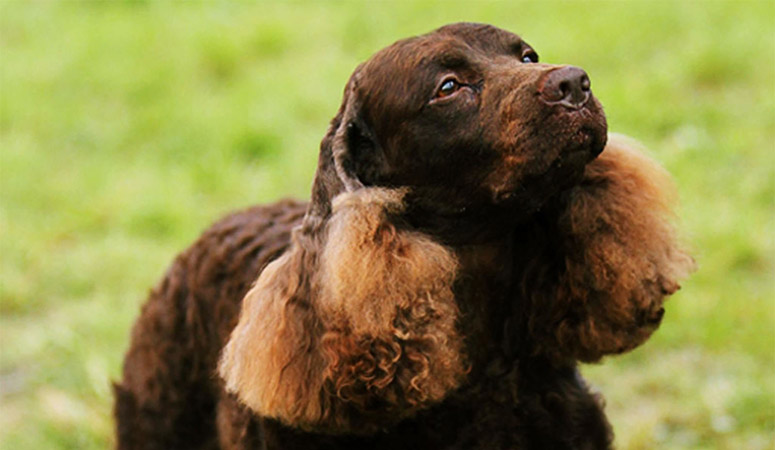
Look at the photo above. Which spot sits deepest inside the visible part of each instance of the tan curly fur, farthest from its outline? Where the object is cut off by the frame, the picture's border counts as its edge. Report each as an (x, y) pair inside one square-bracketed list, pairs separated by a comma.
[(622, 258), (372, 328)]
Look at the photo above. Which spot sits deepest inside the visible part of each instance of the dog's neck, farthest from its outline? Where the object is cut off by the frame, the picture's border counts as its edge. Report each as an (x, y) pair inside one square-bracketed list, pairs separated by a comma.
[(482, 292), (468, 228)]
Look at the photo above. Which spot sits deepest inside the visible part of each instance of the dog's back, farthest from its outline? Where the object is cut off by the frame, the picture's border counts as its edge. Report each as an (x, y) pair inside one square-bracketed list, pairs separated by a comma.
[(169, 395)]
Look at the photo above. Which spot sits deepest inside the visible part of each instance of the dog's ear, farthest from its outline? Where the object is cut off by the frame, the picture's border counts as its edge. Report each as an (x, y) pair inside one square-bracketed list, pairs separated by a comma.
[(603, 258), (353, 328)]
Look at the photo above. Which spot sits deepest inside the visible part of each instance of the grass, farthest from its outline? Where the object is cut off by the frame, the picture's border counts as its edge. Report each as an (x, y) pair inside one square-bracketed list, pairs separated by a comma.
[(127, 127)]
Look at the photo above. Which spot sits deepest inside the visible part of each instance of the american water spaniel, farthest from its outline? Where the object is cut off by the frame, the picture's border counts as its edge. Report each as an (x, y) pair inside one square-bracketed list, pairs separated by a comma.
[(472, 234)]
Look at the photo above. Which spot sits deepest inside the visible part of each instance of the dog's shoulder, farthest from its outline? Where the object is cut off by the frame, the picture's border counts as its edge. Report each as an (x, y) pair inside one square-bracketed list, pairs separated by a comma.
[(256, 227), (216, 271), (237, 247)]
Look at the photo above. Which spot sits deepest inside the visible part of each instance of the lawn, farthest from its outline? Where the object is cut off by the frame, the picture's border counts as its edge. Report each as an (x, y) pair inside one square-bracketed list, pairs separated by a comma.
[(127, 127)]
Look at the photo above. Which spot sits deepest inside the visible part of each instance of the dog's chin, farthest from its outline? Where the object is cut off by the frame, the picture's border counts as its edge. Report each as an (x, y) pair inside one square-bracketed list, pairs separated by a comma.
[(580, 149), (588, 128)]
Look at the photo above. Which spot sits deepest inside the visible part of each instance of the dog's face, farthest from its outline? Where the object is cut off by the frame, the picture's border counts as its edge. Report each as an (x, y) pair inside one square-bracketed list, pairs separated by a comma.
[(467, 118)]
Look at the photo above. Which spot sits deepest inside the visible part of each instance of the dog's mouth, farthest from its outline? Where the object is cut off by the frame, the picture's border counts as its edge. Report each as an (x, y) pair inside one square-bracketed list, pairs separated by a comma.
[(587, 134)]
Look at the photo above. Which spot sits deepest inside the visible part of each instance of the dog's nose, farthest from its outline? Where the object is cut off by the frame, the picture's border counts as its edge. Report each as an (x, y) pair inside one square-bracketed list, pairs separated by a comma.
[(567, 86)]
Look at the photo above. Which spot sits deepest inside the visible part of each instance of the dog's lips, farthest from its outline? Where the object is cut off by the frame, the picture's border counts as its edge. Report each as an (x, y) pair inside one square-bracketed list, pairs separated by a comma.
[(588, 127)]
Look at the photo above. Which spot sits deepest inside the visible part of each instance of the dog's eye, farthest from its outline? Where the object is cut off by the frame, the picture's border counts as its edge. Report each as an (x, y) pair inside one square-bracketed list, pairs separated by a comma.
[(530, 57), (448, 87)]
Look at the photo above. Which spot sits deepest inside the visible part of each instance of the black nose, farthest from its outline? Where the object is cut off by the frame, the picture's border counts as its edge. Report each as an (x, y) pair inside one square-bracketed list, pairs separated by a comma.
[(567, 86)]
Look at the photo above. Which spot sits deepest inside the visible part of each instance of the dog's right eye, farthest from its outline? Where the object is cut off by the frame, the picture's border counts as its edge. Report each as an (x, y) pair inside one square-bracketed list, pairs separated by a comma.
[(447, 88), (530, 57)]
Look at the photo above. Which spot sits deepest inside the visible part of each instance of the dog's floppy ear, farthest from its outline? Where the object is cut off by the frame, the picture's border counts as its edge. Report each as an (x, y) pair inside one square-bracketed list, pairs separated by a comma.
[(353, 328), (609, 256)]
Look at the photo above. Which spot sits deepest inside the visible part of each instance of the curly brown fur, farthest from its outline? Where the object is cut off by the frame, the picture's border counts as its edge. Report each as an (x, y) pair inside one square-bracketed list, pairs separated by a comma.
[(463, 249)]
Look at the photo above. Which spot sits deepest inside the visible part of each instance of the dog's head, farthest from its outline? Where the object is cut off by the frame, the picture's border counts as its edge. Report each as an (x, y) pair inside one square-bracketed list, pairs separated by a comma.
[(469, 121)]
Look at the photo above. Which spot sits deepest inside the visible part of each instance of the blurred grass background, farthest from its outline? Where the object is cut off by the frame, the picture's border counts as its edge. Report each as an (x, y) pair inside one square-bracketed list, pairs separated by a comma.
[(127, 127)]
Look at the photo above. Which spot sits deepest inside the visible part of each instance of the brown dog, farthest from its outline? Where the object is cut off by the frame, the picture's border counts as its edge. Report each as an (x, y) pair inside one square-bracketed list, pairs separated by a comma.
[(464, 247)]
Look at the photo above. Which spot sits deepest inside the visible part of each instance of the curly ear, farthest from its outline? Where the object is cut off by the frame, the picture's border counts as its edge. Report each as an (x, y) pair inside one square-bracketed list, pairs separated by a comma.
[(352, 330), (610, 261)]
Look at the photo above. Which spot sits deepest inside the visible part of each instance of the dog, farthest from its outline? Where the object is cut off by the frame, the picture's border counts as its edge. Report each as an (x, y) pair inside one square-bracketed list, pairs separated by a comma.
[(473, 233)]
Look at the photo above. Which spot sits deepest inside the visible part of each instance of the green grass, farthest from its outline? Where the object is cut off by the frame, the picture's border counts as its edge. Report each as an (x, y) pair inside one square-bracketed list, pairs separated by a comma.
[(127, 127)]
